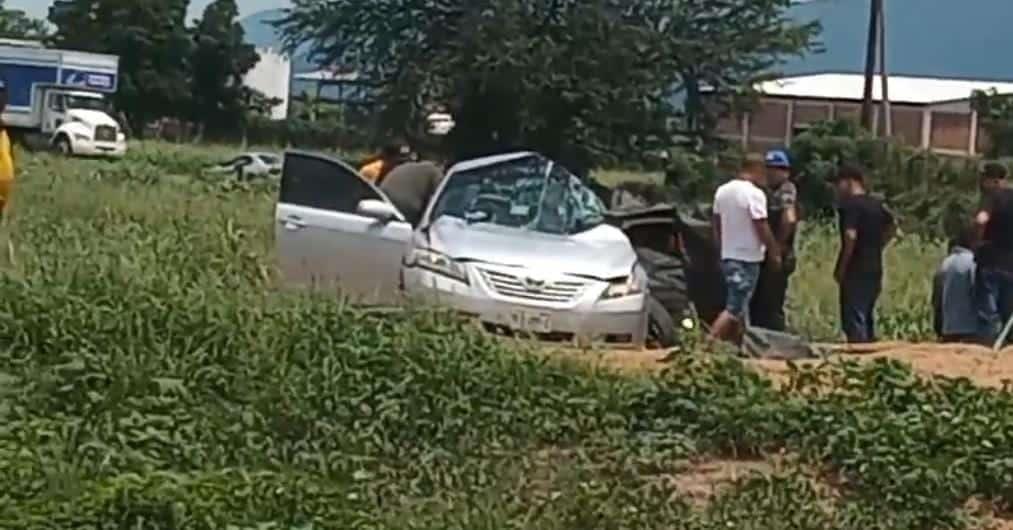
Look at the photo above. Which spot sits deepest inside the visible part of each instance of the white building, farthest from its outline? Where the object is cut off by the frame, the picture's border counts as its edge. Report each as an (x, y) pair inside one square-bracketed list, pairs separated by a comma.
[(272, 77)]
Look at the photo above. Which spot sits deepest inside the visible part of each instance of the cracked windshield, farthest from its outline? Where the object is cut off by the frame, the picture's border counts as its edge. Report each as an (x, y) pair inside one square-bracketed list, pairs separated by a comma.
[(531, 193)]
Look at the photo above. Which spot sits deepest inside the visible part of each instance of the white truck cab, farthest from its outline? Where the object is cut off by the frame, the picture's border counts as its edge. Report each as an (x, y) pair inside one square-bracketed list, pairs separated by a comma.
[(58, 98), (79, 123)]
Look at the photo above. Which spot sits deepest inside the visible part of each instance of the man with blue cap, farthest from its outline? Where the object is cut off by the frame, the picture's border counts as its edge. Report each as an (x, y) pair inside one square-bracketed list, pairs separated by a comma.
[(767, 307)]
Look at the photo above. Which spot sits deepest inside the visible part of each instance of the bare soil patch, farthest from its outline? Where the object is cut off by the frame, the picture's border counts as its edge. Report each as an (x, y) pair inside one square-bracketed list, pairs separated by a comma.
[(700, 482), (988, 515), (978, 364)]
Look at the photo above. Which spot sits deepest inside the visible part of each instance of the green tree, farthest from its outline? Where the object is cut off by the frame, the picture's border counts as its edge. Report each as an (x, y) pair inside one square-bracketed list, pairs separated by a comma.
[(151, 39), (580, 80), (15, 24), (221, 58), (995, 113), (584, 80), (726, 46)]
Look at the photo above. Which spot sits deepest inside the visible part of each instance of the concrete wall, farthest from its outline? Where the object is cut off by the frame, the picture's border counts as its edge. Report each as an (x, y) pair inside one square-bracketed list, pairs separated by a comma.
[(272, 76), (949, 128)]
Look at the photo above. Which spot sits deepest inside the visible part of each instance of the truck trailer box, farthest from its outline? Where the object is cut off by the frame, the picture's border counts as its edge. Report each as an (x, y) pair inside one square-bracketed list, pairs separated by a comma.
[(58, 98), (30, 71)]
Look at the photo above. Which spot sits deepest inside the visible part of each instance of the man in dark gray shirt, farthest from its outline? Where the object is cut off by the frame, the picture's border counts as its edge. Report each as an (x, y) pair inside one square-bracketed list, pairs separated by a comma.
[(410, 186), (766, 310)]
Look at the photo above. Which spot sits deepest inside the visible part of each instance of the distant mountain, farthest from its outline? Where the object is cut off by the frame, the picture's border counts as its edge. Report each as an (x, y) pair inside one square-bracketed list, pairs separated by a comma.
[(262, 34), (937, 38), (259, 31)]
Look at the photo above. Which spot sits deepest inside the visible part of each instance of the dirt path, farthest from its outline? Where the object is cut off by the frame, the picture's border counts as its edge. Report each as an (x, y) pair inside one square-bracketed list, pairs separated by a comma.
[(980, 365)]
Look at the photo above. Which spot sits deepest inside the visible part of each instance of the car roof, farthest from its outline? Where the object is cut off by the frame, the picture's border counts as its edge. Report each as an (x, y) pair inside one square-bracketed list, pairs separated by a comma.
[(474, 163)]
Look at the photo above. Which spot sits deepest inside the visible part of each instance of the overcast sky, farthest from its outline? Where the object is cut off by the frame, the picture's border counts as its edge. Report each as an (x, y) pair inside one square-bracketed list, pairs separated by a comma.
[(40, 8)]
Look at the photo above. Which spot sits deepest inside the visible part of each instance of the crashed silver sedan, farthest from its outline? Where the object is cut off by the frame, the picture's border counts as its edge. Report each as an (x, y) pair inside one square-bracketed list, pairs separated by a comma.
[(514, 241)]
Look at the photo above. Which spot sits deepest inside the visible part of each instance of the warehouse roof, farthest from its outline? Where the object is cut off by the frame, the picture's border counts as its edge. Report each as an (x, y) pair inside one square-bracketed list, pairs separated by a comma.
[(903, 89), (328, 76)]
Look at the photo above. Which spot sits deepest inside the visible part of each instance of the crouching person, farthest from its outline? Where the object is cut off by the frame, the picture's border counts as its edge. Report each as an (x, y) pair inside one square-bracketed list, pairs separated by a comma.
[(955, 317)]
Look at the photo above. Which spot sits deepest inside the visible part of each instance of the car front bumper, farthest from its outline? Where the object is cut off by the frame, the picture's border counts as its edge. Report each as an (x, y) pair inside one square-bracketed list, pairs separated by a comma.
[(100, 149), (586, 320)]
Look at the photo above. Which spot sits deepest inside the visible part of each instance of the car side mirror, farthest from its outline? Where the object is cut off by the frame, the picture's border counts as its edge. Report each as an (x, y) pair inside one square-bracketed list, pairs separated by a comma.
[(375, 209)]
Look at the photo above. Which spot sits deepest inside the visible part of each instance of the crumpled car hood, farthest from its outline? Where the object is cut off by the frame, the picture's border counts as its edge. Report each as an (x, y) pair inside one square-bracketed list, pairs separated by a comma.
[(604, 252)]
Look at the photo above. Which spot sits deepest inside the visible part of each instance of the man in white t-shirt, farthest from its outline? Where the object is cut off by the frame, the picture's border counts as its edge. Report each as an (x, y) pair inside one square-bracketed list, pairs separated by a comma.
[(745, 241)]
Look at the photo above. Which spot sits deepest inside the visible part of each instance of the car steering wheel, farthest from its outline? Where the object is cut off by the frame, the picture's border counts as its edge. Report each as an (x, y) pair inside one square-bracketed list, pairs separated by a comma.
[(496, 206)]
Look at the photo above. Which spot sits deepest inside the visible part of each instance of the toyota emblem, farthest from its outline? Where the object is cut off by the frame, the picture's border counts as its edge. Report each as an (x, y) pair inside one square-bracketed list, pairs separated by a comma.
[(533, 285)]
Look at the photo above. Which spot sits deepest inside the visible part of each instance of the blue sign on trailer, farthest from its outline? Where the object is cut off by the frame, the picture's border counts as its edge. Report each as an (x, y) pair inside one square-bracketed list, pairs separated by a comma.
[(91, 80)]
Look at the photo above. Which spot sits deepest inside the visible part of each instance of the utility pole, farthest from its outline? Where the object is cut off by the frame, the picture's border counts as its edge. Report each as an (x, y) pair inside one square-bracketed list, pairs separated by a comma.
[(870, 62), (887, 114)]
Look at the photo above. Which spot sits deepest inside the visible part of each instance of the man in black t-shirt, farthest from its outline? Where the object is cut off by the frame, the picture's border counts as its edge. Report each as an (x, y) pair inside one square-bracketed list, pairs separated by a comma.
[(994, 251), (866, 227)]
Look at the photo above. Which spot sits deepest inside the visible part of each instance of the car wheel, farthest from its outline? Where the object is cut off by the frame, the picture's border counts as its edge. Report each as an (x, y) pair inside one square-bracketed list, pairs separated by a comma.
[(661, 332), (63, 146)]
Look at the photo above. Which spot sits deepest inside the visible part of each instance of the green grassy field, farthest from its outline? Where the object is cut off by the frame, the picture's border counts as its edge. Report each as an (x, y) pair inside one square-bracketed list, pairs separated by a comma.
[(152, 377)]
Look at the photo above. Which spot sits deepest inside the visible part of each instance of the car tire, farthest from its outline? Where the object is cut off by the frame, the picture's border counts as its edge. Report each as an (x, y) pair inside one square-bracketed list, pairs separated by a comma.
[(661, 330), (668, 286), (63, 146)]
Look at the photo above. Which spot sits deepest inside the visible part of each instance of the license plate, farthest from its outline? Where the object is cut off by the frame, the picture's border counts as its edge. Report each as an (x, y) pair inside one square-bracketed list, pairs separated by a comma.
[(531, 322)]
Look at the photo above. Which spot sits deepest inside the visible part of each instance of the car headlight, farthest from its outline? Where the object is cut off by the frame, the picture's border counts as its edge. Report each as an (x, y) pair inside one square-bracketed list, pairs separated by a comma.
[(82, 137), (634, 284), (438, 263)]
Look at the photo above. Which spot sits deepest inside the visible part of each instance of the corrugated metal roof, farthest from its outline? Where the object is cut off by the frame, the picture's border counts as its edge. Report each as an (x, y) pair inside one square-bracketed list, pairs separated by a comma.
[(903, 89), (328, 76)]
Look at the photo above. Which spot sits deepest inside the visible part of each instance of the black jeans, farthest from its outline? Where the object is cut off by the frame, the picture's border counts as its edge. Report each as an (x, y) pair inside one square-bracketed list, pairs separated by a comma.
[(766, 310), (858, 295)]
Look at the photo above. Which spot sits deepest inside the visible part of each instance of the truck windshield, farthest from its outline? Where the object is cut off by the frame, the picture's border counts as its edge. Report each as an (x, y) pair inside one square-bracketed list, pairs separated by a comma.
[(86, 103)]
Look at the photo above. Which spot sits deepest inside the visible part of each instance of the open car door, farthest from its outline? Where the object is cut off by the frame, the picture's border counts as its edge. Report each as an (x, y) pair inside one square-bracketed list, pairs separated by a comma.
[(336, 231)]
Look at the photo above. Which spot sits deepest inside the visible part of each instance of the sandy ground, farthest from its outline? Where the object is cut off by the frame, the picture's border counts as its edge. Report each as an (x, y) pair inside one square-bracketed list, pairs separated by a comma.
[(980, 365)]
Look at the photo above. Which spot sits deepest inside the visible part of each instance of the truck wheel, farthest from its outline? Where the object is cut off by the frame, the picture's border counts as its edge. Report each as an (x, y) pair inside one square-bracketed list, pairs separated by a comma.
[(661, 331), (666, 276), (63, 146)]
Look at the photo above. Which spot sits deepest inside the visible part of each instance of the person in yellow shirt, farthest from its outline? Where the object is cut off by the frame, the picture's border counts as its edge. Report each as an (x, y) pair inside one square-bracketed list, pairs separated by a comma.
[(391, 156), (6, 155)]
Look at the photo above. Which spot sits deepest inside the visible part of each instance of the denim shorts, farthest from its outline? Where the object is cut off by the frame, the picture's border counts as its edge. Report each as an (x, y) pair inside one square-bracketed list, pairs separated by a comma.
[(740, 282)]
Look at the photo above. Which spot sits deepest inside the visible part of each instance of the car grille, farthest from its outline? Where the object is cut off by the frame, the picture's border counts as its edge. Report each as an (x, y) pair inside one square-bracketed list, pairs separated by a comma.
[(517, 287), (105, 133)]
